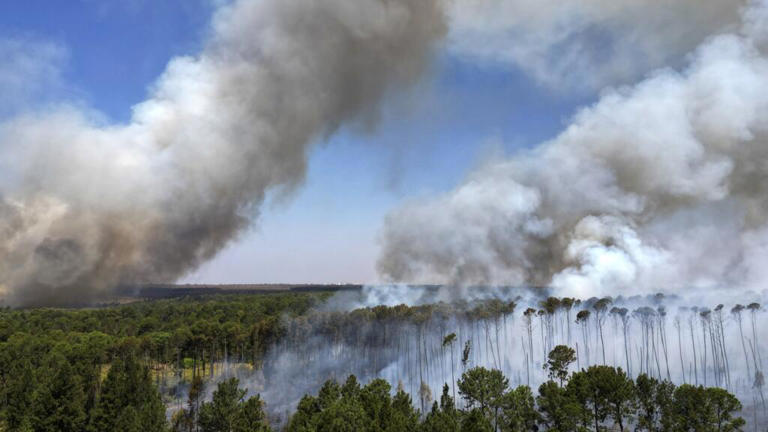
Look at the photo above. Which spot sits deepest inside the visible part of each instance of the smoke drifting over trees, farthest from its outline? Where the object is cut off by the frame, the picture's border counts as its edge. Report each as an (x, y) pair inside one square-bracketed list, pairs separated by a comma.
[(422, 346), (657, 186), (86, 205)]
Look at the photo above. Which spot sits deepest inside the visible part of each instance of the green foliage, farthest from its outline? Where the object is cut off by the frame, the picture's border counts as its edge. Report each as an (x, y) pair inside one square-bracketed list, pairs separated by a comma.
[(558, 361), (89, 370), (443, 417), (229, 411), (654, 404), (483, 388), (705, 409), (350, 407), (520, 410), (129, 398), (52, 361), (60, 401), (559, 410), (476, 421)]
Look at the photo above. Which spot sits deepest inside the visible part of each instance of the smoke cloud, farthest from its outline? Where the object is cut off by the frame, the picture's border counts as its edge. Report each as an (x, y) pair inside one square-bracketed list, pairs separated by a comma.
[(86, 205), (585, 44), (30, 71), (656, 187)]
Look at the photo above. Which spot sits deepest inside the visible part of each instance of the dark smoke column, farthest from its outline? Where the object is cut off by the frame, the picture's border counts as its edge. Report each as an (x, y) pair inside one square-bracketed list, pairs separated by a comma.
[(89, 205)]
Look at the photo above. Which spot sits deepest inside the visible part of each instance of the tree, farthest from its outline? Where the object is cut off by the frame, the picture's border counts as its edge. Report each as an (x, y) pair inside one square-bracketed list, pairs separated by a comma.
[(443, 417), (484, 388), (186, 420), (579, 391), (221, 414), (600, 307), (128, 386), (736, 312), (404, 417), (723, 406), (602, 391), (128, 421), (558, 411), (425, 395), (618, 391), (519, 409), (19, 397), (465, 354), (476, 421), (60, 403), (691, 410), (449, 341), (582, 317), (303, 419), (648, 410), (560, 358), (377, 401), (705, 409)]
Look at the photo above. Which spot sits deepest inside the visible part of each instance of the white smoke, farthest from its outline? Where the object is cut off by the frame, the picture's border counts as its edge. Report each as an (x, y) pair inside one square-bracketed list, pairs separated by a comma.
[(659, 186), (585, 43), (86, 205), (30, 70)]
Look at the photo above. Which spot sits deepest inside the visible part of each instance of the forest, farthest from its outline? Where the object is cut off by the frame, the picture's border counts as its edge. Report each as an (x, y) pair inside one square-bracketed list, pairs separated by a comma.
[(252, 362)]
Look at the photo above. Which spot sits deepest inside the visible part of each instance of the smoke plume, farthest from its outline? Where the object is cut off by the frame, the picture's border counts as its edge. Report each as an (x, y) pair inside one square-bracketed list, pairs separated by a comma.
[(585, 44), (86, 205), (657, 186)]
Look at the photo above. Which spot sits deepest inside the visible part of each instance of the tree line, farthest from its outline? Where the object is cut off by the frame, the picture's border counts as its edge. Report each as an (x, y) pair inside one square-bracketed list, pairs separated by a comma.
[(594, 399), (63, 369)]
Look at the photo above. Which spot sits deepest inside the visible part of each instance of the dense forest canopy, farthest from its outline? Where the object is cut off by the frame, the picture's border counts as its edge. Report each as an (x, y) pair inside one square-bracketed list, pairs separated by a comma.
[(250, 362)]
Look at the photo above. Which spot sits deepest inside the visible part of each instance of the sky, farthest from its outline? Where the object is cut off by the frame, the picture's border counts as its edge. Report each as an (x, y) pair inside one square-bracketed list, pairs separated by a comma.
[(106, 56)]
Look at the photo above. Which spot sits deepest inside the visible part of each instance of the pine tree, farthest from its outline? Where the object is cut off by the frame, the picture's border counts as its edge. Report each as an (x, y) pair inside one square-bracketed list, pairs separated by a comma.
[(251, 417), (558, 411), (221, 414), (129, 386), (20, 396), (60, 402), (519, 410), (484, 389)]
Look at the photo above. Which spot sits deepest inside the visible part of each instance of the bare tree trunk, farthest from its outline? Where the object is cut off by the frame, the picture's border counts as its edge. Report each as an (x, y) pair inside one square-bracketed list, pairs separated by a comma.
[(725, 353), (744, 346), (680, 348), (704, 339), (663, 333), (695, 358), (758, 377), (655, 353)]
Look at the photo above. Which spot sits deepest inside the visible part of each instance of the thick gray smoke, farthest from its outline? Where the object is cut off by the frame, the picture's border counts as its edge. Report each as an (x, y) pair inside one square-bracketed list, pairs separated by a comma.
[(658, 186), (86, 205)]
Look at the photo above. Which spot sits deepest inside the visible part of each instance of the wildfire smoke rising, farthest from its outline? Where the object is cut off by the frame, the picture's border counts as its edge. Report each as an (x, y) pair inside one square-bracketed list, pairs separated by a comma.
[(86, 205), (659, 186)]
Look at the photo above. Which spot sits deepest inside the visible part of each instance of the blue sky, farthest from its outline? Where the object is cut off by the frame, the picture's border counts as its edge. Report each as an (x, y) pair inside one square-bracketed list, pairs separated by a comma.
[(427, 139)]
